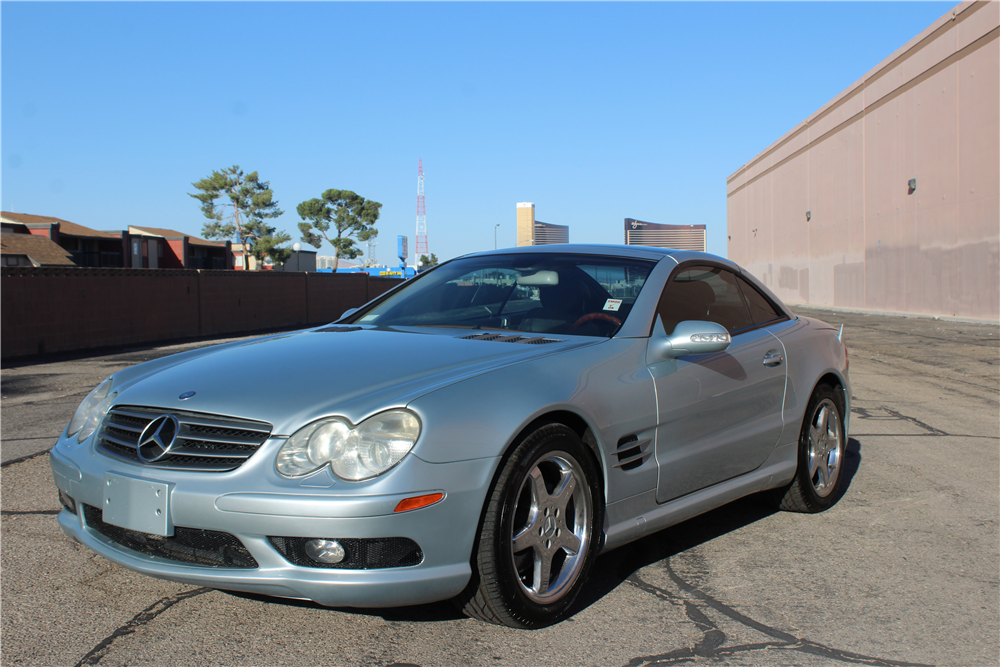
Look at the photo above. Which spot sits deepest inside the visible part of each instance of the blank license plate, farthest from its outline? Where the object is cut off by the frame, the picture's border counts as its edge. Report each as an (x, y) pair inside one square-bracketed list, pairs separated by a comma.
[(137, 504)]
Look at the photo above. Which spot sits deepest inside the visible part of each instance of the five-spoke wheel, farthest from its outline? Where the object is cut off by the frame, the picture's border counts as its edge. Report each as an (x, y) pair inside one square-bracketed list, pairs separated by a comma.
[(551, 527), (821, 454), (539, 536)]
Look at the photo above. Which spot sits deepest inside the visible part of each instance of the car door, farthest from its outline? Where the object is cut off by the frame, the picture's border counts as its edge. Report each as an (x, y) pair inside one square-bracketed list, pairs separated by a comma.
[(718, 415)]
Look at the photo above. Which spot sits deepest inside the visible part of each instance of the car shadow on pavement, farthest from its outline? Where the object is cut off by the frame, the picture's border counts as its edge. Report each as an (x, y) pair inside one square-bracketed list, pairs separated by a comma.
[(615, 567)]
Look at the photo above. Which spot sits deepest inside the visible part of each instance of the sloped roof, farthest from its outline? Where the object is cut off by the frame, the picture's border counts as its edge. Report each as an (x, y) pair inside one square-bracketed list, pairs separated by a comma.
[(39, 249), (65, 226), (174, 234)]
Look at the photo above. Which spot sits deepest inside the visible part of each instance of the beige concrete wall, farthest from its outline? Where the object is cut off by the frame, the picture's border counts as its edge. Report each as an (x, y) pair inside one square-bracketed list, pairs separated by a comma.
[(930, 112)]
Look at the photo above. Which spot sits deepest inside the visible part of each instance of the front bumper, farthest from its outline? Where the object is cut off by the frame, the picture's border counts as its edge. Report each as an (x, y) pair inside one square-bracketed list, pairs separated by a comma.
[(253, 503)]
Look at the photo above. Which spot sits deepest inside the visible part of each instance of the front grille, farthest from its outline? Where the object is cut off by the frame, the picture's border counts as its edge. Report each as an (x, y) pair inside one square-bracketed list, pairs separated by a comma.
[(188, 545), (361, 554), (505, 338), (207, 443)]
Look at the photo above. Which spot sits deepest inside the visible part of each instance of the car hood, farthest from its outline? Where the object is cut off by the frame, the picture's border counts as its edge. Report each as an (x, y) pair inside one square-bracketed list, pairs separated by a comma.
[(290, 380)]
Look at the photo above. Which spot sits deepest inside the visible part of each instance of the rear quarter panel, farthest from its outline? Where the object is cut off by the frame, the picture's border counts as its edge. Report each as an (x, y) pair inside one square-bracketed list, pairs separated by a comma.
[(813, 351)]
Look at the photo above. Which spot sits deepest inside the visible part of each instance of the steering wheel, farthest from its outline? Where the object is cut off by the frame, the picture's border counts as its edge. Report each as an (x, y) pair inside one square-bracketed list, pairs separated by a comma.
[(597, 316)]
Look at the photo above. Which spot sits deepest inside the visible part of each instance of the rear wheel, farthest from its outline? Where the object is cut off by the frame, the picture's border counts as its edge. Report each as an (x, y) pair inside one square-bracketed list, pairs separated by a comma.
[(539, 536), (822, 442)]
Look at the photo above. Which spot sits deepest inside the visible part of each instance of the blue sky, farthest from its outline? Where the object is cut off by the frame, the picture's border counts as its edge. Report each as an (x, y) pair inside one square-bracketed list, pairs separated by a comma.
[(593, 111)]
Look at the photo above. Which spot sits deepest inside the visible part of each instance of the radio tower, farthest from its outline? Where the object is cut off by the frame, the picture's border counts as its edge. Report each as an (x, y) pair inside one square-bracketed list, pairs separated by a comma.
[(421, 213)]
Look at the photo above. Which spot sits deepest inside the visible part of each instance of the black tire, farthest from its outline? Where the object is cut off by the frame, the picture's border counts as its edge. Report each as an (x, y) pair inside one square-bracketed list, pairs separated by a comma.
[(546, 500), (822, 446)]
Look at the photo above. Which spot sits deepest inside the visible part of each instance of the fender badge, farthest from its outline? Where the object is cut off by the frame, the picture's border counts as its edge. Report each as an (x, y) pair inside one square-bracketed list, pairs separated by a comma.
[(186, 395)]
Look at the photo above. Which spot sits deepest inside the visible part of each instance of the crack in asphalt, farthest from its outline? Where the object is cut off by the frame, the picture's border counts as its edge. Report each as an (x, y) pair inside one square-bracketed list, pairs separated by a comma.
[(712, 643), (24, 512), (144, 617), (919, 334), (889, 359), (914, 420), (23, 458), (895, 415)]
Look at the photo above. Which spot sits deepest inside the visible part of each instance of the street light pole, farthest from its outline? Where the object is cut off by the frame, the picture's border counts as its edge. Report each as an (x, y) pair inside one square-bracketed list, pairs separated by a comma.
[(495, 236)]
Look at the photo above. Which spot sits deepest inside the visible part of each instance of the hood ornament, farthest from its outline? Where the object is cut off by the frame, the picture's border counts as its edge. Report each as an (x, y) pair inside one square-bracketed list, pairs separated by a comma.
[(186, 395)]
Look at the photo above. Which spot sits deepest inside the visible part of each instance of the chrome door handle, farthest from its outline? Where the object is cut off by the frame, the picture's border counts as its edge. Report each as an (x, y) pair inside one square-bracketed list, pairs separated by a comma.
[(772, 359)]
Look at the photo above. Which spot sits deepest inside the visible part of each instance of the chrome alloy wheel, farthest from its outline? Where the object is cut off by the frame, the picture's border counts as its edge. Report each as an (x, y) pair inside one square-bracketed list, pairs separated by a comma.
[(550, 531), (826, 448)]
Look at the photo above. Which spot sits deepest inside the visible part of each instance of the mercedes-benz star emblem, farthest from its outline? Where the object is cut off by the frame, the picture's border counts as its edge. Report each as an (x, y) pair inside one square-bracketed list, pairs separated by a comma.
[(157, 438)]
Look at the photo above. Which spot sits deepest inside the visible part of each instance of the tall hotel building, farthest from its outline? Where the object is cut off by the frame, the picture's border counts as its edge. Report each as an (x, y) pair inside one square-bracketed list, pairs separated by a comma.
[(536, 232), (681, 237)]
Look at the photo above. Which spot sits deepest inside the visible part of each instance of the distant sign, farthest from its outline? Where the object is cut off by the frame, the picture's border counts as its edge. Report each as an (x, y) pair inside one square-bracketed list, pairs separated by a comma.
[(403, 251)]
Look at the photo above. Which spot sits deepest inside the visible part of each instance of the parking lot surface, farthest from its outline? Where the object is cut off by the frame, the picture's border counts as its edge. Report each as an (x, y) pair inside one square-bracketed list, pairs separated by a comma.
[(903, 570)]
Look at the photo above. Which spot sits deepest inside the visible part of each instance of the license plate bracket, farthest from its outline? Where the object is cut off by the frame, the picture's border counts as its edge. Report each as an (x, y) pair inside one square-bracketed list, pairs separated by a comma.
[(138, 504)]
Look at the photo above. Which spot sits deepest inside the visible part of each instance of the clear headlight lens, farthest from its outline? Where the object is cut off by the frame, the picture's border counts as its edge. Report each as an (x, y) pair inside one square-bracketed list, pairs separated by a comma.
[(353, 453), (90, 413)]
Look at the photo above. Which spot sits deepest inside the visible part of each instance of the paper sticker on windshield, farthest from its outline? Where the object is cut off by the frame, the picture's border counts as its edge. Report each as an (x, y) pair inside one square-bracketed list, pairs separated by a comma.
[(612, 304)]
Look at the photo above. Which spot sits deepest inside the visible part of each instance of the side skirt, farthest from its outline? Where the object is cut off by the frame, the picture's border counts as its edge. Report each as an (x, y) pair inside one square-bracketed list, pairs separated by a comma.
[(632, 518)]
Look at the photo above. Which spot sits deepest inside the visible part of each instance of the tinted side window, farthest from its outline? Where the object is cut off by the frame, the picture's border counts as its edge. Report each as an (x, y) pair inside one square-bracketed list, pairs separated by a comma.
[(704, 293), (761, 309)]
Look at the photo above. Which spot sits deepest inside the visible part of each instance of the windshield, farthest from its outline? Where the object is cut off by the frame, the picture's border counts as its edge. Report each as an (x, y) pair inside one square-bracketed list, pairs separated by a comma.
[(583, 295)]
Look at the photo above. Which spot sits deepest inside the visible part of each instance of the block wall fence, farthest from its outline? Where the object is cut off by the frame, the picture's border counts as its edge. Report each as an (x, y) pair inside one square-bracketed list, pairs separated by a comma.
[(66, 309)]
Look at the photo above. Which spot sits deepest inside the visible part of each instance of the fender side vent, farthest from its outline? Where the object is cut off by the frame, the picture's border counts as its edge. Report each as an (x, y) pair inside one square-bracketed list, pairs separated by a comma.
[(340, 329), (631, 453), (503, 338)]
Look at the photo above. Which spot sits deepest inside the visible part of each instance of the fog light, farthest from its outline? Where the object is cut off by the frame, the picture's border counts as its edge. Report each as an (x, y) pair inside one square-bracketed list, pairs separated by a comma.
[(67, 502), (325, 551)]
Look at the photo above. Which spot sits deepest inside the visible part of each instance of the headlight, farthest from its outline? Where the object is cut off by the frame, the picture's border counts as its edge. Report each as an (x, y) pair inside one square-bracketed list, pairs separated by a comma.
[(90, 413), (353, 453)]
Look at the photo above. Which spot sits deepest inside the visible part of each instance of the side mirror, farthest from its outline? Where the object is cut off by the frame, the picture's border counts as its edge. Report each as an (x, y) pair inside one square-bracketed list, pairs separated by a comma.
[(698, 337), (690, 337), (348, 313)]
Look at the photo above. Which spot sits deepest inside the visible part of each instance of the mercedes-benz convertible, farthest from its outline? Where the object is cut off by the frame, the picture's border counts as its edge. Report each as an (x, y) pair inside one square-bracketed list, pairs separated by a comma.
[(480, 432)]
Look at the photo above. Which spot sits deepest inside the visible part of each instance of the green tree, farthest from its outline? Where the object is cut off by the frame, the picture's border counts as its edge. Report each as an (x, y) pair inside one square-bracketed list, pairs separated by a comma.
[(429, 261), (268, 246), (237, 206), (342, 218)]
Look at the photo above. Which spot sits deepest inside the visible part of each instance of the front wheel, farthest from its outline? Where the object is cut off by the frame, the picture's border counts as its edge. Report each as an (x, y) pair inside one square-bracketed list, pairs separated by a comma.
[(539, 534), (822, 442)]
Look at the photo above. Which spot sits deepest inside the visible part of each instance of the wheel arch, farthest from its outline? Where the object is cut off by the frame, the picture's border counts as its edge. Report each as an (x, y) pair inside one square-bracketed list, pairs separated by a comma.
[(836, 382), (582, 429)]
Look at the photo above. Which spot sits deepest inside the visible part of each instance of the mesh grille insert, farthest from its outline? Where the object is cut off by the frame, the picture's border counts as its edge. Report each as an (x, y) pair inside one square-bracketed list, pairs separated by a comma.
[(339, 329), (362, 554), (188, 545), (511, 338)]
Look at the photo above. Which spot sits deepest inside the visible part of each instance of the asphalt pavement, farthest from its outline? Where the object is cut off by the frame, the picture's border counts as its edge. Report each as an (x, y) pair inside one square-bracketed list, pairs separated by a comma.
[(903, 570)]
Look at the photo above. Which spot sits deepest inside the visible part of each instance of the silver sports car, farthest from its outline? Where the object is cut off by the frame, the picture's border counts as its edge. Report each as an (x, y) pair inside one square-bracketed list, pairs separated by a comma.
[(481, 432)]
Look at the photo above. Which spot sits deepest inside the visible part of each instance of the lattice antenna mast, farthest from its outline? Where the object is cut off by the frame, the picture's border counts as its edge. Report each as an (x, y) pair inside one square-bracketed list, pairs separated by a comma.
[(421, 212)]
